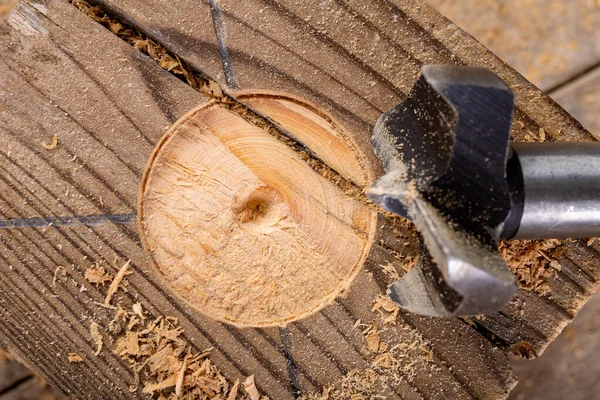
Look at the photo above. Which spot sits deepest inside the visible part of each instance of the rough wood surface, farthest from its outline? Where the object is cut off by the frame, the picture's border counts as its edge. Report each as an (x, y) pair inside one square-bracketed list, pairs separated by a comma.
[(64, 75), (111, 106), (357, 59)]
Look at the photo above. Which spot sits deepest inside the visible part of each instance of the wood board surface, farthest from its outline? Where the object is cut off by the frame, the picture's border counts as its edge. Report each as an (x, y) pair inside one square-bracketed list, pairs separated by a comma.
[(113, 104)]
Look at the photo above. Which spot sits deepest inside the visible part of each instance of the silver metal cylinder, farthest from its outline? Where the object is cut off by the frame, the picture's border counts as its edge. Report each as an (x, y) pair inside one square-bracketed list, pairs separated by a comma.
[(561, 186)]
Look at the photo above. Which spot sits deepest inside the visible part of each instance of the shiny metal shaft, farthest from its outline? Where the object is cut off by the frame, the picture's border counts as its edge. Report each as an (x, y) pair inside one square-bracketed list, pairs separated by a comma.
[(560, 195)]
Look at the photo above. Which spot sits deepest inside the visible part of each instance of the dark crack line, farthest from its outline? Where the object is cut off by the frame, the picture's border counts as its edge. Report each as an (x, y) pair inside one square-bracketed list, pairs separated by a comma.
[(286, 341), (89, 220), (217, 17)]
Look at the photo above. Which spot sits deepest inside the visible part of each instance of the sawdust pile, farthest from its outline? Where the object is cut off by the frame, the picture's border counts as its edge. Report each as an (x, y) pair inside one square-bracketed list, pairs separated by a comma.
[(533, 262), (165, 366)]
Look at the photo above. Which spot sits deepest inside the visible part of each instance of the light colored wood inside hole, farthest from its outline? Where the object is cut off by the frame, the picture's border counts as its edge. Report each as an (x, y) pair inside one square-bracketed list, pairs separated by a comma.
[(241, 227)]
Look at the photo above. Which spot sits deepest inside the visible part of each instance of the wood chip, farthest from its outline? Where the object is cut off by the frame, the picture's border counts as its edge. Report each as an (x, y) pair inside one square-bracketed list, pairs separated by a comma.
[(180, 376), (250, 387), (52, 145), (234, 390), (373, 342), (128, 344), (96, 336), (97, 275), (114, 286), (75, 358)]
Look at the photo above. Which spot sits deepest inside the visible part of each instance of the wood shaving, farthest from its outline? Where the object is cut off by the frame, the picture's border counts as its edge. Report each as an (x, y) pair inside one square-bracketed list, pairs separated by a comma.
[(114, 286), (533, 262), (250, 387), (128, 344), (234, 390), (163, 362), (373, 342), (591, 241), (56, 272), (96, 336), (386, 307), (97, 275), (180, 376), (52, 145), (74, 358), (390, 271)]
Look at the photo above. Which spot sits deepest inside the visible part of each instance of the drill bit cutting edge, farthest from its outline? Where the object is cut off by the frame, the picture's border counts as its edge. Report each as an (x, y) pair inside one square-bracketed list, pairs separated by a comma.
[(451, 169)]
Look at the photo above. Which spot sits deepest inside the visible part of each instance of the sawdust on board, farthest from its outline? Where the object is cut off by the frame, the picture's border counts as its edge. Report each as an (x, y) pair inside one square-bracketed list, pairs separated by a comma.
[(393, 360), (533, 262), (74, 358), (156, 51), (164, 364)]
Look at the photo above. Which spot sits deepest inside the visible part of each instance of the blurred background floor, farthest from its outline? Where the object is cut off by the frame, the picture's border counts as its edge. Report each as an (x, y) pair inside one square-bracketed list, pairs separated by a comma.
[(555, 44)]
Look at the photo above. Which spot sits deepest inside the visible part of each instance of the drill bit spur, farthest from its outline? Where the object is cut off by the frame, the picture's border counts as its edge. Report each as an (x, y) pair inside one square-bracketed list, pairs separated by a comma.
[(450, 168)]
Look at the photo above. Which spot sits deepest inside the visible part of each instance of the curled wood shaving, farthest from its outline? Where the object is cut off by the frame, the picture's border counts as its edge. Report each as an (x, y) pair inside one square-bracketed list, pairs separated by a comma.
[(96, 336), (52, 145), (533, 262), (250, 387), (114, 286), (163, 362), (56, 272), (74, 358)]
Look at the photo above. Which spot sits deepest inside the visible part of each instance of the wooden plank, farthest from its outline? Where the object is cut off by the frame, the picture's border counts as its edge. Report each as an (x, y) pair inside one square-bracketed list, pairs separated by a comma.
[(580, 98), (103, 93), (12, 372), (32, 388), (111, 104), (357, 59), (546, 41)]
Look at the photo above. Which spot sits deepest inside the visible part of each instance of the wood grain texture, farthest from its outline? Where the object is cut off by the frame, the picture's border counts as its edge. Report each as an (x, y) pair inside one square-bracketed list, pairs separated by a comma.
[(109, 104), (357, 59), (109, 113)]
